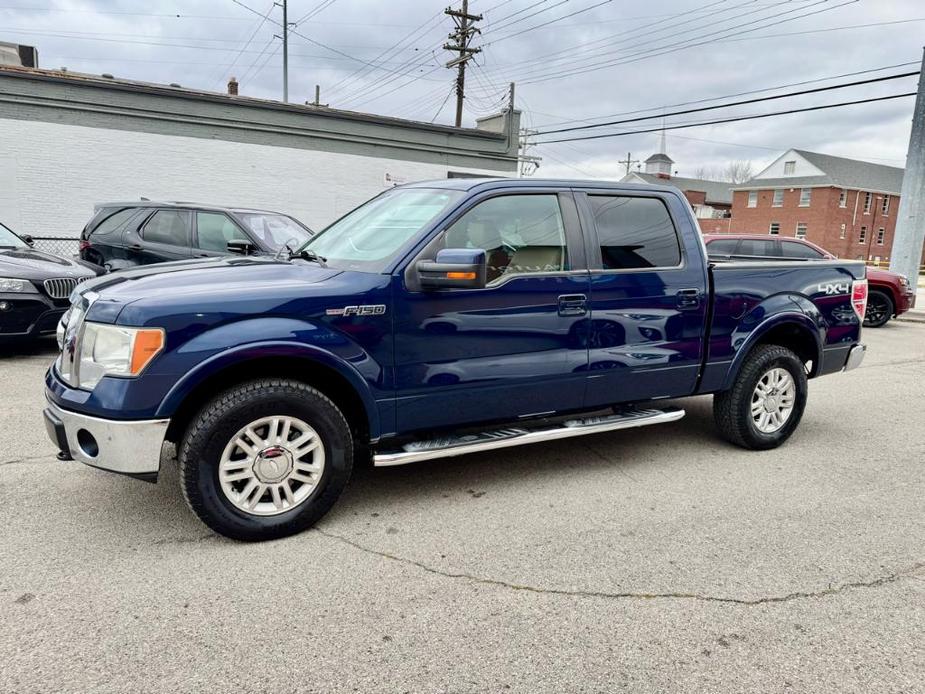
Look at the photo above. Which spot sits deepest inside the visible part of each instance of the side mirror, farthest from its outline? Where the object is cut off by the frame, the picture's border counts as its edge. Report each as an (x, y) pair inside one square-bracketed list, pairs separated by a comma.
[(29, 240), (463, 268), (242, 247)]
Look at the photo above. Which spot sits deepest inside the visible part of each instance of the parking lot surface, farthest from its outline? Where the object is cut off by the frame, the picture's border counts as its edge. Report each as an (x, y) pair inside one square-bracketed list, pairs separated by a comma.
[(655, 560)]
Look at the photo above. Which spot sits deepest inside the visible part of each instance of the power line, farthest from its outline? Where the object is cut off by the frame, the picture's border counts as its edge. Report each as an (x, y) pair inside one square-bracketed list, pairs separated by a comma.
[(652, 53), (259, 26), (733, 119), (661, 108), (323, 5), (551, 21), (802, 92), (443, 105)]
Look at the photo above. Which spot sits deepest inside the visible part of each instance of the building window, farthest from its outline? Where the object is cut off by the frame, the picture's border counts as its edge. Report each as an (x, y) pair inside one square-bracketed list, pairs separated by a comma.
[(778, 200), (843, 198), (885, 207), (753, 198), (805, 196), (844, 231), (881, 232), (774, 229), (863, 235), (868, 198), (789, 168), (801, 230)]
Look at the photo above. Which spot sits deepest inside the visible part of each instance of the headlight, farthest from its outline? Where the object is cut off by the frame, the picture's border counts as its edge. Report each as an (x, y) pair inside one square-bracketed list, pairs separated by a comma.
[(14, 286), (903, 281), (114, 350)]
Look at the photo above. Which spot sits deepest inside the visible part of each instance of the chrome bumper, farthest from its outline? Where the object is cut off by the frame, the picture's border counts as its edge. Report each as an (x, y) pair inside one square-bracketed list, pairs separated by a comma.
[(127, 447), (855, 357)]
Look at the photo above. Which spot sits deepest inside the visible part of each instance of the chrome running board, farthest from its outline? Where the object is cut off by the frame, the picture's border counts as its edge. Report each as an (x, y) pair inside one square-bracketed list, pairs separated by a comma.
[(452, 445)]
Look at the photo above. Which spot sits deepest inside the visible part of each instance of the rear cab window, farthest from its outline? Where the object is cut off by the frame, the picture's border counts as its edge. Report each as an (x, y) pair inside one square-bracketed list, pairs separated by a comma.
[(722, 247), (792, 249)]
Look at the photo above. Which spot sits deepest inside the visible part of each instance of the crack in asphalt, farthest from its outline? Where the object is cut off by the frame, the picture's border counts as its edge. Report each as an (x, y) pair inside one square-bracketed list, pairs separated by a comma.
[(30, 459), (799, 595)]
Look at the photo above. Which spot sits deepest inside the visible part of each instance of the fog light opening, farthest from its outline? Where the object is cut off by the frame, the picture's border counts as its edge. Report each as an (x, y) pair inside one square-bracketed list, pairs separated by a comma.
[(88, 445)]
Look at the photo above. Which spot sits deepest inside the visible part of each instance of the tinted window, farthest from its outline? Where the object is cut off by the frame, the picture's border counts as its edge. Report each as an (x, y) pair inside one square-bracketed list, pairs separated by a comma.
[(214, 230), (114, 220), (634, 232), (519, 233), (168, 226), (799, 250), (757, 247), (722, 246)]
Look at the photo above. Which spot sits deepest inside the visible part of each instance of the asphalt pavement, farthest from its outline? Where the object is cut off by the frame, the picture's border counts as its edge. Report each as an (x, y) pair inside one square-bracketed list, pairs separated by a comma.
[(655, 560)]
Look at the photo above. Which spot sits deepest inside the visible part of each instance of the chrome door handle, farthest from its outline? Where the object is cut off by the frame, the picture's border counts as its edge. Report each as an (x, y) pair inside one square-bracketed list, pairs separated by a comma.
[(573, 305)]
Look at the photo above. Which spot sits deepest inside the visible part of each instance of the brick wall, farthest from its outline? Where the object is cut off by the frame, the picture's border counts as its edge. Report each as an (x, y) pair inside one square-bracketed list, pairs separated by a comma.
[(823, 218)]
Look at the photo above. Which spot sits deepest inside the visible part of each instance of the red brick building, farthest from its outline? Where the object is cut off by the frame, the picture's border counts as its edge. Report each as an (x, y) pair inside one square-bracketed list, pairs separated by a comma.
[(848, 207)]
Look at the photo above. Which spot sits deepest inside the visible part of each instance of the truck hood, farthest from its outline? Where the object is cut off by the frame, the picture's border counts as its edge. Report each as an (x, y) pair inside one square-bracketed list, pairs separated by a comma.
[(30, 264), (189, 282)]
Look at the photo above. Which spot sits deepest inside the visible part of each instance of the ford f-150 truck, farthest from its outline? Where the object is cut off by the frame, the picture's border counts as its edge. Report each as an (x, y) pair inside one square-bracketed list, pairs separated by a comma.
[(437, 319)]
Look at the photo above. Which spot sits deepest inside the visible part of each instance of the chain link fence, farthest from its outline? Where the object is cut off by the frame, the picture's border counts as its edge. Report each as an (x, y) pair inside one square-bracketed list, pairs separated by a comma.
[(65, 246)]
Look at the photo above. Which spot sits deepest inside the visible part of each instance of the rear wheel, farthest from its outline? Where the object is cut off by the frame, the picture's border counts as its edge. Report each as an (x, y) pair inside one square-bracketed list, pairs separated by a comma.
[(265, 459), (766, 401), (879, 309)]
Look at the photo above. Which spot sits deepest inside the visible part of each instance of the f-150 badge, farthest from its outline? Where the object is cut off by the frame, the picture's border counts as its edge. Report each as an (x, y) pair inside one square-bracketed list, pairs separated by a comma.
[(367, 310), (834, 288)]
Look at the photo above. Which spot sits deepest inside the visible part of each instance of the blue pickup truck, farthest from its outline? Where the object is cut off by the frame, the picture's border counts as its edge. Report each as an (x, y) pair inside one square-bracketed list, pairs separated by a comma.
[(437, 319)]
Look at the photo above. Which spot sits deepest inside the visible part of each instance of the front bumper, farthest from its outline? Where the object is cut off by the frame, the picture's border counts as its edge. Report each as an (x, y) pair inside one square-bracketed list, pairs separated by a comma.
[(128, 447), (906, 302), (28, 315)]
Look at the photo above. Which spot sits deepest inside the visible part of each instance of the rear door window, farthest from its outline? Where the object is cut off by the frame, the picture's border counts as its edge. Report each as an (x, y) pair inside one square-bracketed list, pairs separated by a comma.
[(792, 249), (758, 247), (634, 232), (722, 247), (170, 227)]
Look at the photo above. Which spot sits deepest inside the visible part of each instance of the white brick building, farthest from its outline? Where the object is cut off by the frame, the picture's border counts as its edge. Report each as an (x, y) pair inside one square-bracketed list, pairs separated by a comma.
[(69, 141)]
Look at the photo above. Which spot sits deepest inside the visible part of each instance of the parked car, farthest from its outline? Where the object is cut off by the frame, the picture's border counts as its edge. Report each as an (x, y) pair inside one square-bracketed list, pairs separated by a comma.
[(126, 234), (890, 294), (34, 287), (275, 375)]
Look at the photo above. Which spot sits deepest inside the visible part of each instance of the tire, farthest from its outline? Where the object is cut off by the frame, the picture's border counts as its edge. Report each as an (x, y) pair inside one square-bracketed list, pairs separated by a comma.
[(314, 479), (879, 309), (733, 409)]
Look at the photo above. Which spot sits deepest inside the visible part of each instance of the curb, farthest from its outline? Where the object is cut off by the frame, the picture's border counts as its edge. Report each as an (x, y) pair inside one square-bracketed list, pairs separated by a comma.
[(912, 317)]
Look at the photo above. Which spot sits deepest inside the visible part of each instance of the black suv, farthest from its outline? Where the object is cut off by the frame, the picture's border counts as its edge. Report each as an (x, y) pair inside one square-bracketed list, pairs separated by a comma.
[(126, 234), (34, 287)]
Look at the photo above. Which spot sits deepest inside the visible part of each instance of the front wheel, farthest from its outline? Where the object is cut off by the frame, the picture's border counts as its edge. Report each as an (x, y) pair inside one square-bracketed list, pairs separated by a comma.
[(265, 459), (766, 401), (879, 309)]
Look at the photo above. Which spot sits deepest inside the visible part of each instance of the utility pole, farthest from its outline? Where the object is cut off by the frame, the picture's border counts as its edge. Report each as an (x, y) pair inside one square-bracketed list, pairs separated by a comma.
[(910, 218), (285, 38), (628, 162), (465, 31)]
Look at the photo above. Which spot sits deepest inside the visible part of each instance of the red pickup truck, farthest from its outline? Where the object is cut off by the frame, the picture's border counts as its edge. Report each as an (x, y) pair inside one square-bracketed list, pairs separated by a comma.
[(889, 294)]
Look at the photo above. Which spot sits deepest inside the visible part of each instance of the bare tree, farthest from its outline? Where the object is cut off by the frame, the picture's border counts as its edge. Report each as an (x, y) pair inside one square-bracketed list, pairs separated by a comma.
[(734, 172), (738, 171)]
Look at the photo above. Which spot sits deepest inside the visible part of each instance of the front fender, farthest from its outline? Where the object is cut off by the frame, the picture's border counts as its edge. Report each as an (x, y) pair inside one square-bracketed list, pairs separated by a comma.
[(782, 309), (236, 356)]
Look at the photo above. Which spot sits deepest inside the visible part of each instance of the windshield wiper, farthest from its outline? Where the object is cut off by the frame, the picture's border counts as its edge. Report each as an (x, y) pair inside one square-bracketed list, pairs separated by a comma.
[(306, 254)]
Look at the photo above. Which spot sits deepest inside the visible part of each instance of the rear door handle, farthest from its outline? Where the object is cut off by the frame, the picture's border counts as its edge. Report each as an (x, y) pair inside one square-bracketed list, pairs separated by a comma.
[(573, 305), (688, 299)]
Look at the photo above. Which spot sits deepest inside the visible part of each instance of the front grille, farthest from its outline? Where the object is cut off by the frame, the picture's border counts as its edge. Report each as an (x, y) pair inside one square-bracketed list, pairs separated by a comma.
[(61, 287)]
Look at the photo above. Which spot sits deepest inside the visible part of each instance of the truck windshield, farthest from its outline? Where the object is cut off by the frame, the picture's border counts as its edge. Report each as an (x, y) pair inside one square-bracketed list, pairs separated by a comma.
[(10, 240), (368, 238)]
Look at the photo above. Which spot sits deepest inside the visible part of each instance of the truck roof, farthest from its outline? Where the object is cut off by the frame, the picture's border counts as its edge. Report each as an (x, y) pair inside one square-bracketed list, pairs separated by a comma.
[(500, 183)]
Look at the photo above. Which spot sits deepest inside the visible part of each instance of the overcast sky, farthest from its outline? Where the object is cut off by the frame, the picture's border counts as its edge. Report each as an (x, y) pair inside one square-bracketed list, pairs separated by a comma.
[(573, 61)]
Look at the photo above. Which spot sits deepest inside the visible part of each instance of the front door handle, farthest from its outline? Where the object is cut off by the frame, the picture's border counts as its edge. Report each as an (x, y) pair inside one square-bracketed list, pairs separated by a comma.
[(688, 299), (573, 305)]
